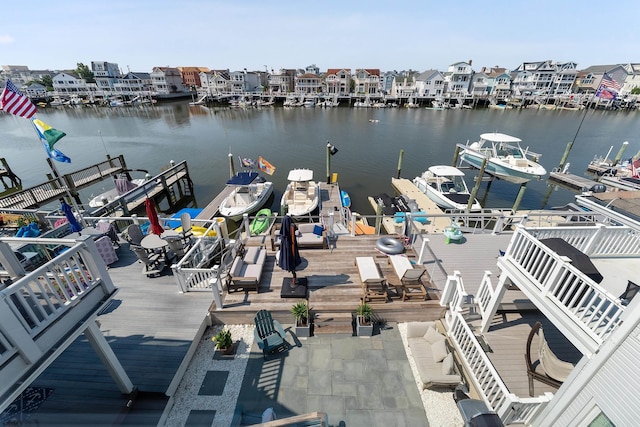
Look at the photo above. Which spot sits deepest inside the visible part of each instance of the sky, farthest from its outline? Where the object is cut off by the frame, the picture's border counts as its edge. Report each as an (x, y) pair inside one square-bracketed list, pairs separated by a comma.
[(257, 35)]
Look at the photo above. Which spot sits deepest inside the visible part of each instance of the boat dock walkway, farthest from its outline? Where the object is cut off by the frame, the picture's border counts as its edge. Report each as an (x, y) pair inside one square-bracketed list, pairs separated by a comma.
[(436, 224), (50, 191), (213, 208), (573, 181)]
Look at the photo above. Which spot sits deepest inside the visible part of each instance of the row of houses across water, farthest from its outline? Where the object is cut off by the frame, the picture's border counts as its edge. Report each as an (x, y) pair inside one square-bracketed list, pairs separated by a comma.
[(530, 79)]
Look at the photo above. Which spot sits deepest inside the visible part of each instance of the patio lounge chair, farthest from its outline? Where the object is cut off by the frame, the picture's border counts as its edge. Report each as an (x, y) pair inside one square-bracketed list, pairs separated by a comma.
[(153, 262), (548, 369), (187, 233), (268, 333), (374, 284)]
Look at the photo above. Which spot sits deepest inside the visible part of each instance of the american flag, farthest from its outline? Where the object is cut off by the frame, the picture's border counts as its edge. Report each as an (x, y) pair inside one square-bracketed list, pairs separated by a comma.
[(609, 82), (608, 88), (15, 102)]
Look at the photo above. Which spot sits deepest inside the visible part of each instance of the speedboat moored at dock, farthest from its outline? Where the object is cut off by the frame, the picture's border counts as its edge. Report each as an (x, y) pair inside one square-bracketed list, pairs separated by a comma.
[(506, 159), (445, 185)]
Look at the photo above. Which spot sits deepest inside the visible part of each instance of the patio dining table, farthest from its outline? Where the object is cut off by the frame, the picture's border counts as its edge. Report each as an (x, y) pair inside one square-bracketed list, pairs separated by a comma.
[(578, 258)]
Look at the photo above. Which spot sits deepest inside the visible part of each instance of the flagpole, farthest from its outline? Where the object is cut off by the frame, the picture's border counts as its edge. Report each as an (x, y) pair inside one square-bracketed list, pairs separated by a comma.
[(56, 173)]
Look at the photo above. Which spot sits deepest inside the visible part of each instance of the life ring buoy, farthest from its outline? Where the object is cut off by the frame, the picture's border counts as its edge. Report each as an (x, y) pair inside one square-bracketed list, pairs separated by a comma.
[(389, 246)]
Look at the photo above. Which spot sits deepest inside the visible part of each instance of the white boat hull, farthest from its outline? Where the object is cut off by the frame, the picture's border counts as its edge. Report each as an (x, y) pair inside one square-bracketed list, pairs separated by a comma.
[(445, 186), (504, 170), (300, 206), (111, 195), (238, 203)]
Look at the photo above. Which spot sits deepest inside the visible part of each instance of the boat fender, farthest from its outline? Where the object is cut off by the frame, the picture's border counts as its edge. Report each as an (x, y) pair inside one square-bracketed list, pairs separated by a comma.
[(389, 246), (598, 188)]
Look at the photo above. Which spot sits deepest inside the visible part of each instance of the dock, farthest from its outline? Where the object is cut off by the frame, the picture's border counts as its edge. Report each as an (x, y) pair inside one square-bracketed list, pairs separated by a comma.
[(573, 181), (56, 187), (436, 224), (213, 208)]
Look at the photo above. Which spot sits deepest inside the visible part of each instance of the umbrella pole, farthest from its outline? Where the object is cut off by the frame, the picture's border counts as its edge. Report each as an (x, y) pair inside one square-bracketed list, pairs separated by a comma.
[(293, 253)]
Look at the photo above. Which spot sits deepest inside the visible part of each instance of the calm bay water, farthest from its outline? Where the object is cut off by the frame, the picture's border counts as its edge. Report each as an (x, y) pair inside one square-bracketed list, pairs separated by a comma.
[(290, 138)]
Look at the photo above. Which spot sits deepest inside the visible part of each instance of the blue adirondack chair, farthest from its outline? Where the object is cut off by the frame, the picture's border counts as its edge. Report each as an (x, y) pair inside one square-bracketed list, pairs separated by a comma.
[(268, 333)]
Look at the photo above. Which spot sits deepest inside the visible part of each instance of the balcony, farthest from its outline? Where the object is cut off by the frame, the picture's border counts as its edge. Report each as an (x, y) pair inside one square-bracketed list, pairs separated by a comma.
[(577, 297)]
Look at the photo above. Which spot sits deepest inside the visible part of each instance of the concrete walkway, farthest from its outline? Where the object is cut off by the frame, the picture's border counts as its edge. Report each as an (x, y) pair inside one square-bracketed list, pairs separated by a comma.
[(356, 381)]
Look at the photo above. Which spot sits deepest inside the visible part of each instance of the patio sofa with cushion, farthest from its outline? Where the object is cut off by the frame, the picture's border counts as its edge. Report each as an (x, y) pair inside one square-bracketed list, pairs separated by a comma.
[(309, 235), (246, 270), (434, 361)]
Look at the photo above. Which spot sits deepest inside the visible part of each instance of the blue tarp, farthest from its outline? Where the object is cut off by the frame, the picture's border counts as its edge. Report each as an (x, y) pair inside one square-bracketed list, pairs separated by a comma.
[(243, 178), (193, 212)]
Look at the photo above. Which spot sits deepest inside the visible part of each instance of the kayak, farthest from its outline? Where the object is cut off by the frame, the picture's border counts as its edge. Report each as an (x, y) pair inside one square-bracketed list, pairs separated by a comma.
[(198, 231), (261, 222), (346, 200)]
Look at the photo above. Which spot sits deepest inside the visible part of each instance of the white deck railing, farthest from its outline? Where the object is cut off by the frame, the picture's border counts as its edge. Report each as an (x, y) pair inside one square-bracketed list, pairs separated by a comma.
[(38, 311), (487, 380), (193, 272), (583, 309)]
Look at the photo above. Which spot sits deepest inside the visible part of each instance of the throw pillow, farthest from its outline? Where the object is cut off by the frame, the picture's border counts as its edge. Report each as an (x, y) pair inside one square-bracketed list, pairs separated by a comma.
[(447, 365), (439, 351), (251, 255), (431, 336)]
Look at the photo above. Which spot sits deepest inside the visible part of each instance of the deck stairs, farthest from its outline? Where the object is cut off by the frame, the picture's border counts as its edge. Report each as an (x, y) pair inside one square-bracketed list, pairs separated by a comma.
[(333, 323)]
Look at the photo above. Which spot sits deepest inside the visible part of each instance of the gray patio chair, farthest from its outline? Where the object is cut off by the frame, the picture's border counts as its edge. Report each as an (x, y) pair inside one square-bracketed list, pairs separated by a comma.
[(134, 234), (186, 234), (153, 262)]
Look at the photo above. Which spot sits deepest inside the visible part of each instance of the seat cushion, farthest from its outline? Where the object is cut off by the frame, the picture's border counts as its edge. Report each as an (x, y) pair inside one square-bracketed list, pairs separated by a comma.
[(251, 256), (432, 336), (439, 350)]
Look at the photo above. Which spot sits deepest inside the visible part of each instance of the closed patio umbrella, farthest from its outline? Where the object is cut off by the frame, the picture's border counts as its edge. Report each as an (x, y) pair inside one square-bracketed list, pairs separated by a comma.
[(71, 218), (155, 226), (289, 257)]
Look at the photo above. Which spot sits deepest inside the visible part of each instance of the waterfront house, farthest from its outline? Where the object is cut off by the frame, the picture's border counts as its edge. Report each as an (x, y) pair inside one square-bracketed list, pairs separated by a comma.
[(430, 84), (404, 84), (307, 83), (595, 73), (282, 82), (66, 85), (367, 82), (35, 90), (479, 84), (191, 76), (216, 82), (386, 81), (579, 281), (544, 77), (337, 81), (106, 75), (245, 82), (633, 78), (458, 78), (498, 82), (134, 84), (167, 81)]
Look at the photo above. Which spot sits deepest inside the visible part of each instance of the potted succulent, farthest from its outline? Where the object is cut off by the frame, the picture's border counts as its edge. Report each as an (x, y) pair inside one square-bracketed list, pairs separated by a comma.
[(223, 341), (300, 311), (364, 324)]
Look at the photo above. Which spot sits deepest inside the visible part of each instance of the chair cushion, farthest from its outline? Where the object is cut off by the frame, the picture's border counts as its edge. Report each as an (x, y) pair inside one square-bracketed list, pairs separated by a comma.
[(236, 267), (432, 336), (439, 350), (252, 254), (418, 329), (447, 365)]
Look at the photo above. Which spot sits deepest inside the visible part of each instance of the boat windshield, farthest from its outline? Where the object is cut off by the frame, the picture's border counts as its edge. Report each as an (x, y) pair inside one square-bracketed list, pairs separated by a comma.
[(505, 150)]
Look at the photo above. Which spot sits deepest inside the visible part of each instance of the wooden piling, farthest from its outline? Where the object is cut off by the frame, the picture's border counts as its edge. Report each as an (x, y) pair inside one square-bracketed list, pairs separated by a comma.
[(400, 162), (476, 186), (519, 197), (232, 168), (619, 155)]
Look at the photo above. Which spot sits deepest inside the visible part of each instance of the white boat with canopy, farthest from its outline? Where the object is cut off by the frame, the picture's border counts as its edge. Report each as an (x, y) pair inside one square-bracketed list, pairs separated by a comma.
[(445, 185), (249, 195), (302, 193)]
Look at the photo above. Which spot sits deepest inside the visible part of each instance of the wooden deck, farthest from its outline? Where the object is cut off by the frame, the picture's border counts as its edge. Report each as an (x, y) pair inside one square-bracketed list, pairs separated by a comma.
[(334, 287), (507, 338)]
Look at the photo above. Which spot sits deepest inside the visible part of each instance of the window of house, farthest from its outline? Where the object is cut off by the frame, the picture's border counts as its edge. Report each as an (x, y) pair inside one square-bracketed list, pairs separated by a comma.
[(601, 420)]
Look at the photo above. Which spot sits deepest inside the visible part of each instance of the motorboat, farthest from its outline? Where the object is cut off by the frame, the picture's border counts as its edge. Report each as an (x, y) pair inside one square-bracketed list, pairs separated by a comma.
[(122, 186), (506, 159), (249, 194), (302, 193), (445, 185)]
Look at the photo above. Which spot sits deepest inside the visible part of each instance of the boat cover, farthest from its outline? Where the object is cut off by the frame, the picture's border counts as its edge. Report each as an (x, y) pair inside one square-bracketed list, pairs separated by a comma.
[(243, 178)]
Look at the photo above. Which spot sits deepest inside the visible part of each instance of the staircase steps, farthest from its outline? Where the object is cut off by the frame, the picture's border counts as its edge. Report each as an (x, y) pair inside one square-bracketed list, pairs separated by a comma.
[(333, 323)]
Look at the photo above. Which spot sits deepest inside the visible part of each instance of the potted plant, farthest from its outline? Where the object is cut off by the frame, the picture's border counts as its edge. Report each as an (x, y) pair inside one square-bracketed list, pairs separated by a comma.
[(300, 313), (223, 341), (364, 324)]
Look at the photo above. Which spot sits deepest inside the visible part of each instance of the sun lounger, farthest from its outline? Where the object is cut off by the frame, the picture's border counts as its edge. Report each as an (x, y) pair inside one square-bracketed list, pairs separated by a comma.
[(374, 285), (410, 277)]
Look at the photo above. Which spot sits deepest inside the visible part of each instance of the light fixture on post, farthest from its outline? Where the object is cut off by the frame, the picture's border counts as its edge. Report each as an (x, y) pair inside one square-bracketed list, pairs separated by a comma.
[(331, 150)]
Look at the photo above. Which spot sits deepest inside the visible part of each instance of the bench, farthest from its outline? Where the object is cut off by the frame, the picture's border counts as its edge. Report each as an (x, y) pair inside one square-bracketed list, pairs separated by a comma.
[(306, 236), (246, 270), (410, 277), (374, 285)]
